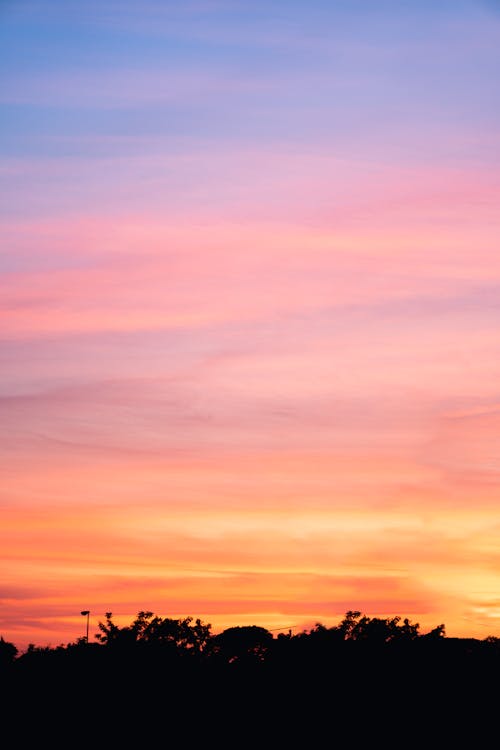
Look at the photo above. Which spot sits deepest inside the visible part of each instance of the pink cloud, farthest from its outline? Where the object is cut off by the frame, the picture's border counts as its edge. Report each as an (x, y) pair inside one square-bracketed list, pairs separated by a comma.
[(262, 408)]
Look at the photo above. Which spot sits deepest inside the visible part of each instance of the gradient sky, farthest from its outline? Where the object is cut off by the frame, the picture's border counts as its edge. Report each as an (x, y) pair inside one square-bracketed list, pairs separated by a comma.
[(250, 312)]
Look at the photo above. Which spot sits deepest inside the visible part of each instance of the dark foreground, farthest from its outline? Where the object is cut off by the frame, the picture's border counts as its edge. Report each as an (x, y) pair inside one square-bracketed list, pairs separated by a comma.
[(328, 687)]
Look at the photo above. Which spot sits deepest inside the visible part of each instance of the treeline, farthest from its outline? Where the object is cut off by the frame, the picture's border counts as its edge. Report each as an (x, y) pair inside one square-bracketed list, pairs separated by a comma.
[(158, 673), (189, 641)]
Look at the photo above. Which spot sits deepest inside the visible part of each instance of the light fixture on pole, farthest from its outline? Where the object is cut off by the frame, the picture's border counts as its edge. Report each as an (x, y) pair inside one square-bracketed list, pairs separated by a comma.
[(86, 612)]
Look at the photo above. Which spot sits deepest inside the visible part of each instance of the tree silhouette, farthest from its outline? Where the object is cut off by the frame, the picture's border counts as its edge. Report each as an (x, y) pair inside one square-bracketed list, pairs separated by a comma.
[(182, 636), (8, 652), (243, 644)]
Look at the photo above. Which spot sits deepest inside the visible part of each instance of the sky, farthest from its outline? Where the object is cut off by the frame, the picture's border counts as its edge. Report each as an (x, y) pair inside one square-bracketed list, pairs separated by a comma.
[(249, 313)]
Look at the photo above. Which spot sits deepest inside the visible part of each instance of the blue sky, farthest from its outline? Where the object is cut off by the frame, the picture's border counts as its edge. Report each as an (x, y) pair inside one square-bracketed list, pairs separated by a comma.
[(249, 298)]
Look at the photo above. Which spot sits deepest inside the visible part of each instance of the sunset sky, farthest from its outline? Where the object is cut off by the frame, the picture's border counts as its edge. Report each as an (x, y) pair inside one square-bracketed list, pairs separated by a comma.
[(250, 313)]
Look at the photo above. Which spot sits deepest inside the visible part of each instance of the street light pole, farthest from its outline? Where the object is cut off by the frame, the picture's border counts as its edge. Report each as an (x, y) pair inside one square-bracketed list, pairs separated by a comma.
[(86, 612)]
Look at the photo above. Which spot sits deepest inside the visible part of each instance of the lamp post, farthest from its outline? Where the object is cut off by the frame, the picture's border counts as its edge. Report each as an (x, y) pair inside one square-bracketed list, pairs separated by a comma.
[(86, 612)]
